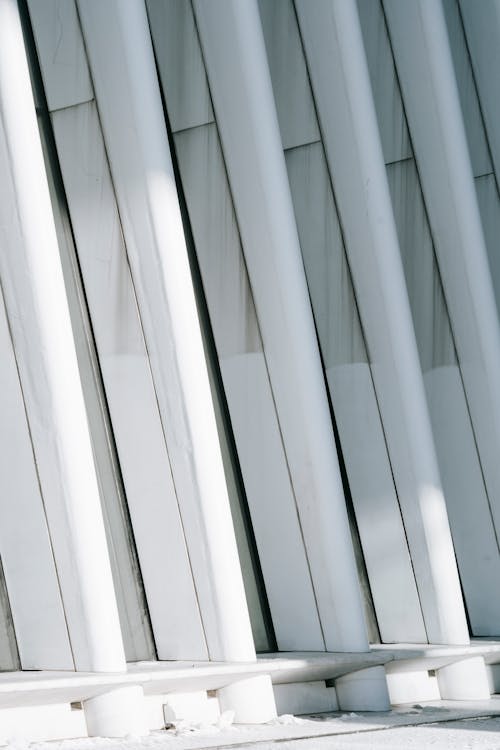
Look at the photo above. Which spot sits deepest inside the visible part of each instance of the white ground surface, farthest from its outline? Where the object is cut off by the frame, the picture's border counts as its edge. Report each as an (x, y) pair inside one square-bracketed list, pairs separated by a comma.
[(444, 726)]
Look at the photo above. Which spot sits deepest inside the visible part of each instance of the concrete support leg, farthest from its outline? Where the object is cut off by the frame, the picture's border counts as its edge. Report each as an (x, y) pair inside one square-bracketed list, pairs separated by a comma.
[(365, 690), (412, 686), (251, 700), (464, 680), (116, 714)]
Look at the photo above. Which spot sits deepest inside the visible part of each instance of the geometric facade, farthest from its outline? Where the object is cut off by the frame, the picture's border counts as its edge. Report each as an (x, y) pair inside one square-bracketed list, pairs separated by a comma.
[(250, 358)]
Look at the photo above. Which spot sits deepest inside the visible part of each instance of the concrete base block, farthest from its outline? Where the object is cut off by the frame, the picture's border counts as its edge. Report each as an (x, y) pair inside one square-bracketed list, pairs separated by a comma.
[(412, 687), (493, 675), (54, 721), (196, 707), (153, 705), (117, 713), (464, 680), (252, 700), (365, 690), (304, 698)]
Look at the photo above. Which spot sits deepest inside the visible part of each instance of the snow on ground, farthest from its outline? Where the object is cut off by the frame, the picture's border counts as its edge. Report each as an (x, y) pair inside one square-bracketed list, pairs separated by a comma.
[(444, 726)]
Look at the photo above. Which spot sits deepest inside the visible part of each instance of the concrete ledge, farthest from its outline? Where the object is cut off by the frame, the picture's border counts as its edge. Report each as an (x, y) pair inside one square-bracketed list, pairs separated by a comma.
[(45, 687)]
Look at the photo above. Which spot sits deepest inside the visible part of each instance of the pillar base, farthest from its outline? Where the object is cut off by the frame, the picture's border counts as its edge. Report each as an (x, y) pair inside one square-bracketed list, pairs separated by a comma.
[(464, 680), (364, 690), (251, 700), (117, 713)]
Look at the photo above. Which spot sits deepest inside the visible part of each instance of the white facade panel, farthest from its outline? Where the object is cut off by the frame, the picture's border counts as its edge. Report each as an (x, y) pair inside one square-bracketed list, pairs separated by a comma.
[(292, 91), (272, 504), (61, 52), (481, 23), (394, 134), (325, 262), (180, 64), (392, 582), (489, 206), (471, 109), (425, 292), (217, 241)]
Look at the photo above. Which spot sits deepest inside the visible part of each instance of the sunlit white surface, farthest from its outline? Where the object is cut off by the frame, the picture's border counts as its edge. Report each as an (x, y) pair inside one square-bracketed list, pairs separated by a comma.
[(339, 76), (147, 198), (41, 331), (440, 144), (243, 104)]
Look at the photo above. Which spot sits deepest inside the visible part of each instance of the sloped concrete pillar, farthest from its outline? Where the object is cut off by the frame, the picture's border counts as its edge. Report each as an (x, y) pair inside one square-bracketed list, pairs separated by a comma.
[(40, 327), (246, 117), (122, 64), (339, 76)]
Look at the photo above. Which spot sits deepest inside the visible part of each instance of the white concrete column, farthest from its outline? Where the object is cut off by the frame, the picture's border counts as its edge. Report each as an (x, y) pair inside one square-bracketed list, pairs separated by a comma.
[(340, 81), (235, 57), (425, 71), (121, 61), (40, 326)]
